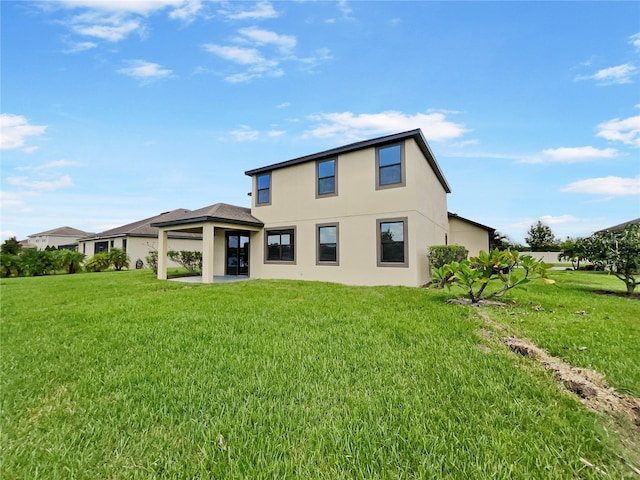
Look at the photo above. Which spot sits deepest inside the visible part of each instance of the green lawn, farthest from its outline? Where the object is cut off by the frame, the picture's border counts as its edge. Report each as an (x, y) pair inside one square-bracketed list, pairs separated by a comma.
[(118, 375)]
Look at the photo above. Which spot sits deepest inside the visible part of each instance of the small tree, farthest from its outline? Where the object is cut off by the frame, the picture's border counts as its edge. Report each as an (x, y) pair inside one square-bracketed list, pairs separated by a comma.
[(152, 261), (11, 246), (497, 267), (574, 251), (70, 260), (619, 253), (540, 238), (191, 260), (10, 265), (118, 258)]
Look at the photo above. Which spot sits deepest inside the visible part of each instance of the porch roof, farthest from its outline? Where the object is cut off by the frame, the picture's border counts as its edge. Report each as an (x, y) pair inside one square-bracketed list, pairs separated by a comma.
[(218, 212)]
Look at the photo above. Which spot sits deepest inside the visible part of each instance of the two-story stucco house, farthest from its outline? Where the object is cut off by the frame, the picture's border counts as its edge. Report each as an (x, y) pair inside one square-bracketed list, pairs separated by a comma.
[(361, 214)]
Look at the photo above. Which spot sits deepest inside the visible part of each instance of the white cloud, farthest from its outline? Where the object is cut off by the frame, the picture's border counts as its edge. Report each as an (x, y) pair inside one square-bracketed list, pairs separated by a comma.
[(114, 20), (145, 71), (617, 75), (243, 56), (245, 134), (76, 47), (41, 185), (258, 65), (571, 155), (188, 11), (349, 126), (115, 32), (50, 165), (276, 133), (616, 186), (285, 43), (261, 11), (626, 130), (635, 40), (15, 129)]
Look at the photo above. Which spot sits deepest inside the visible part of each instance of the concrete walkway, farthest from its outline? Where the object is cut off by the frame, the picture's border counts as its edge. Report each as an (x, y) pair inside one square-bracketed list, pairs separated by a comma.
[(216, 279)]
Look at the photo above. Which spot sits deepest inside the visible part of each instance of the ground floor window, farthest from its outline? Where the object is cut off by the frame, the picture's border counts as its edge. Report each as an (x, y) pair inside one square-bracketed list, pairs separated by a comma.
[(327, 244), (392, 242), (99, 247), (280, 245)]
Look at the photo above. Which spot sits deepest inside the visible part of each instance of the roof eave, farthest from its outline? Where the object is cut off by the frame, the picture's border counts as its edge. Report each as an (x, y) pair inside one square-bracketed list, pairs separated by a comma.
[(207, 218), (415, 134)]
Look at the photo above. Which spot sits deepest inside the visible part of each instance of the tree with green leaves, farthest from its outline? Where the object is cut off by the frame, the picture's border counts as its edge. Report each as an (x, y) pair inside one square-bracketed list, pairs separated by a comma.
[(70, 260), (619, 253), (11, 246), (540, 238), (573, 250)]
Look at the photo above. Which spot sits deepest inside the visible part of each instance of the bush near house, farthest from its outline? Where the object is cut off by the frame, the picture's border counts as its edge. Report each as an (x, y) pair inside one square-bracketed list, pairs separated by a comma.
[(191, 260)]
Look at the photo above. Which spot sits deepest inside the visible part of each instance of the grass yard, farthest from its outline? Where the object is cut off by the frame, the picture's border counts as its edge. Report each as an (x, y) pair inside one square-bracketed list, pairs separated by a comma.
[(118, 375)]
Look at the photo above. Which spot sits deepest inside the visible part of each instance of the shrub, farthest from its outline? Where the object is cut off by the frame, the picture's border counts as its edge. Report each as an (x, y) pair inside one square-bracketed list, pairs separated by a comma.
[(98, 263), (191, 260), (118, 258), (440, 255)]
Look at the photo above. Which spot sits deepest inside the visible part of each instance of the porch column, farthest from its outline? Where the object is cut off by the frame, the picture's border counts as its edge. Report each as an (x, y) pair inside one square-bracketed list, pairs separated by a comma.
[(207, 253), (162, 253)]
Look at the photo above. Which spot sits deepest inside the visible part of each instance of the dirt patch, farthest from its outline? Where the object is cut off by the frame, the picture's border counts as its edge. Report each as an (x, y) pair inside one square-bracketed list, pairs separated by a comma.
[(588, 385), (634, 295)]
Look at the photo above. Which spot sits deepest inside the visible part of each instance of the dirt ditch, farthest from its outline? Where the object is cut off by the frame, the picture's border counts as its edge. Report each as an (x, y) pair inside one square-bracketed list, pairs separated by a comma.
[(588, 385)]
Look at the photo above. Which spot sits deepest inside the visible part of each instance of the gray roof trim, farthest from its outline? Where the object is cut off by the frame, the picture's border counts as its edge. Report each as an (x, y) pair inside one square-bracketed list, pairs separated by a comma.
[(218, 212), (206, 218), (376, 142), (466, 220)]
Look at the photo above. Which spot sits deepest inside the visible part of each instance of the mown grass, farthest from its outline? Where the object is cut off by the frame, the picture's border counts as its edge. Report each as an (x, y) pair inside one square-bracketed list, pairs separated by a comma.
[(578, 322), (117, 375)]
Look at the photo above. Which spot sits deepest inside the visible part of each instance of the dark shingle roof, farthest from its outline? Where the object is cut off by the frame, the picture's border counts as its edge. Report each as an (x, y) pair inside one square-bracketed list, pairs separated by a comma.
[(63, 232), (218, 212), (376, 142), (620, 226), (141, 228)]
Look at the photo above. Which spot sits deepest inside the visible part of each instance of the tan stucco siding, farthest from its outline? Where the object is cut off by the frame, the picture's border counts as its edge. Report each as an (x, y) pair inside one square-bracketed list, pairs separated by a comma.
[(44, 241), (357, 208), (139, 247), (473, 238)]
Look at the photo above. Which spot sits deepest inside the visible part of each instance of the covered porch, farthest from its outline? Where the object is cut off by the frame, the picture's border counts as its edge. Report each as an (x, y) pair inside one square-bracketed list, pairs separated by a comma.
[(226, 237)]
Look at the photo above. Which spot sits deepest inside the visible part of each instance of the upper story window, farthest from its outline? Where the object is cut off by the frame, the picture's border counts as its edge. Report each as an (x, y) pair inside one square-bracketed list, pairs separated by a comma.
[(280, 246), (326, 176), (390, 166), (392, 242), (263, 187)]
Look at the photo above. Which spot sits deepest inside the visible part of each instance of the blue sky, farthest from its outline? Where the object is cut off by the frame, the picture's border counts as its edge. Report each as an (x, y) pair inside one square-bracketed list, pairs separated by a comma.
[(117, 110)]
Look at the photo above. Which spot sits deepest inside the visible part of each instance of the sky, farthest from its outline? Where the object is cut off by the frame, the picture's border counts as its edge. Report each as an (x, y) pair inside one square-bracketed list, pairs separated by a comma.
[(117, 110)]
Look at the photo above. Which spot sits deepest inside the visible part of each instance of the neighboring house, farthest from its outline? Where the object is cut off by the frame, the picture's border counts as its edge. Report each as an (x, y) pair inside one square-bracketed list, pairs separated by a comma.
[(362, 214), (622, 226), (139, 238), (474, 236), (62, 237)]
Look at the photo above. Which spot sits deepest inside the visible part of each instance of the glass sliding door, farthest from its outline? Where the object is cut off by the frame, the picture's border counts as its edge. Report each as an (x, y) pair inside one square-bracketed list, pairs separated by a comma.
[(237, 253)]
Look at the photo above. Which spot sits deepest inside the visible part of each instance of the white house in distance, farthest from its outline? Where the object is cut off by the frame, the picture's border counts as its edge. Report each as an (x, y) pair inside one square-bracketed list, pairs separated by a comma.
[(360, 214), (139, 238), (65, 237)]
